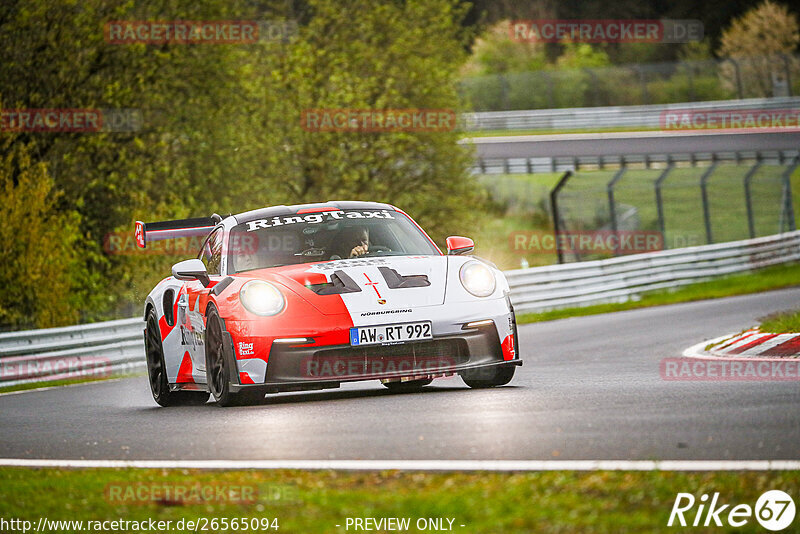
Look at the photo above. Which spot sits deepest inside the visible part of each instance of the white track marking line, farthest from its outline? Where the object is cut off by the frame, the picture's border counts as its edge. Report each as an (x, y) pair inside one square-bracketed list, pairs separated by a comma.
[(423, 465), (699, 350)]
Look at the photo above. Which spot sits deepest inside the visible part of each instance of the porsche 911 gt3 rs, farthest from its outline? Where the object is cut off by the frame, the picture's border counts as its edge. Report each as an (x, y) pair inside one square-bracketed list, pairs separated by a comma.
[(291, 298)]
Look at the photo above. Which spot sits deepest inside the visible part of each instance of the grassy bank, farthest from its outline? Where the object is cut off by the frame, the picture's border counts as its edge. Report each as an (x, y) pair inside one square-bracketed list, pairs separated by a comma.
[(784, 322), (317, 501)]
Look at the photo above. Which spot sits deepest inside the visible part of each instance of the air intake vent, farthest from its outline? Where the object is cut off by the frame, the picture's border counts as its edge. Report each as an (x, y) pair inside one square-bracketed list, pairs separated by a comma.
[(396, 281), (340, 283)]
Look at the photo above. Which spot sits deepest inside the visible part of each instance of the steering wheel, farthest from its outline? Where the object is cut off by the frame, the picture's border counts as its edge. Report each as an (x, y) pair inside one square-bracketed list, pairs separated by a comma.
[(376, 248), (312, 251)]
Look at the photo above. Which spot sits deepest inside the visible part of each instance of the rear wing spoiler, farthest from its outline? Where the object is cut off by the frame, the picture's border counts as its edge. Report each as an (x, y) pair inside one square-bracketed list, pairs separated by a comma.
[(158, 231)]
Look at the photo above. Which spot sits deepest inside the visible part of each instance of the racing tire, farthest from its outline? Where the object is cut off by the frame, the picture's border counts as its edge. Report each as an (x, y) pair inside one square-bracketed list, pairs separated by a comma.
[(219, 367), (489, 378), (408, 386), (157, 374)]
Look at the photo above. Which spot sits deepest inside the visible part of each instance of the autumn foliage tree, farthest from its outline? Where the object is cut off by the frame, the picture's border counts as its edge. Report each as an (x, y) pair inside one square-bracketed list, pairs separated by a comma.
[(762, 41), (38, 244)]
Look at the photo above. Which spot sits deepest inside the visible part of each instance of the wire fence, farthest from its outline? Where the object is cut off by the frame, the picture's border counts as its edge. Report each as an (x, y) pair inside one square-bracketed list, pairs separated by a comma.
[(682, 205), (646, 203), (636, 84)]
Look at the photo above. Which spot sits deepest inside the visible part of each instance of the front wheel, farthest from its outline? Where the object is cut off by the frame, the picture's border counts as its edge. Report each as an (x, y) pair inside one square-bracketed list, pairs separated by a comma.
[(157, 371), (219, 368), (489, 377)]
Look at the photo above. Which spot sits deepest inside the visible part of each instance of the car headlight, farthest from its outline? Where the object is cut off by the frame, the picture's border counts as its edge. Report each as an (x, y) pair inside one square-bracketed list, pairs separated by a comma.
[(261, 298), (477, 278)]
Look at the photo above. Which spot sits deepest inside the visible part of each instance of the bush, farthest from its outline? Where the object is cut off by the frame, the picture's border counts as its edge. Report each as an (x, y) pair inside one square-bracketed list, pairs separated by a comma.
[(37, 244)]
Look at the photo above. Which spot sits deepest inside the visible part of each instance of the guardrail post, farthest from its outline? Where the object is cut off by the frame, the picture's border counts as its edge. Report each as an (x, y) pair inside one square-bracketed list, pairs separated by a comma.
[(739, 91), (704, 195), (595, 85), (643, 82), (788, 205), (549, 78), (612, 205), (659, 200), (787, 69), (748, 199), (554, 208), (503, 91)]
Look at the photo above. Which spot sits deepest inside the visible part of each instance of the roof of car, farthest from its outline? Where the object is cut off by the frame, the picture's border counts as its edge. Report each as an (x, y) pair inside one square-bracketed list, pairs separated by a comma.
[(273, 211)]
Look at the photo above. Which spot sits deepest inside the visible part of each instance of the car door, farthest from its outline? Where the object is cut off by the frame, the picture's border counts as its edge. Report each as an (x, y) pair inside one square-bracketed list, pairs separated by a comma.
[(193, 302)]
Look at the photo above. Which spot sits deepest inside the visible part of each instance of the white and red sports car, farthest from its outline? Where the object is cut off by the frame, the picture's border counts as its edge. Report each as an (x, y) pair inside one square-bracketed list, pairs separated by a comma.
[(291, 298)]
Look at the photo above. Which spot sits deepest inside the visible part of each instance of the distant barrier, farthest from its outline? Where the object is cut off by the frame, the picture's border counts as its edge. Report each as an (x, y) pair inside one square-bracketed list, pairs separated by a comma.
[(627, 277), (97, 349), (594, 118)]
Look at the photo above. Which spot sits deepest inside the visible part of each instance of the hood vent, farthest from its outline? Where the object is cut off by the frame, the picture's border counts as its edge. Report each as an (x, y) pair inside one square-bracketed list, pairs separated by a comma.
[(340, 283), (396, 281)]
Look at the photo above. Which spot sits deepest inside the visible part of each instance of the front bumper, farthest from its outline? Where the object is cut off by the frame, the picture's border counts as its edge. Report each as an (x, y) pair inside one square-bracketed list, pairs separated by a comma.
[(300, 368)]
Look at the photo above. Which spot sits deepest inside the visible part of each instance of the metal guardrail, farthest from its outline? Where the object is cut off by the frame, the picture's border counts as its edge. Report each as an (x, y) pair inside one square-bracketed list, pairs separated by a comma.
[(644, 161), (97, 349), (118, 346), (627, 277), (609, 117)]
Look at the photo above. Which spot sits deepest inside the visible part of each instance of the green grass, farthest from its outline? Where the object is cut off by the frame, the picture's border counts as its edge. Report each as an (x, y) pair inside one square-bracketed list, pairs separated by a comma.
[(316, 501), (786, 322), (775, 277)]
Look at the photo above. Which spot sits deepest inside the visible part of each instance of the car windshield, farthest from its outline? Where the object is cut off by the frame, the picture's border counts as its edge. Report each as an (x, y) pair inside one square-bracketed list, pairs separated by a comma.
[(324, 236)]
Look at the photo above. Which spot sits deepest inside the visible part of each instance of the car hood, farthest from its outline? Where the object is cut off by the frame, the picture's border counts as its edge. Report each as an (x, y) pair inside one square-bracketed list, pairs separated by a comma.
[(369, 284)]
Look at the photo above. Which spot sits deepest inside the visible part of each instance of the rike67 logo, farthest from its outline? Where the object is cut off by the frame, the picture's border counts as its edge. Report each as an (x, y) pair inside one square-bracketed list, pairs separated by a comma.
[(774, 510)]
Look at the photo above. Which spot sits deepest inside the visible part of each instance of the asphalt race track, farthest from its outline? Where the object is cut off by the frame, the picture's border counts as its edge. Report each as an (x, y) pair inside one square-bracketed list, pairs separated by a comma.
[(630, 143), (590, 389)]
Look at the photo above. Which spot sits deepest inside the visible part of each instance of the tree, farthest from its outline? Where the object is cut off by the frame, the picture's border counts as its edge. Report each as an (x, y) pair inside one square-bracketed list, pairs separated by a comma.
[(756, 41), (372, 55), (494, 52), (37, 243), (184, 161)]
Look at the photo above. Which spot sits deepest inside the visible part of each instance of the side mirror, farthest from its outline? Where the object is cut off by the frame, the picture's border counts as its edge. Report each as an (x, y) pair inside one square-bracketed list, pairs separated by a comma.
[(459, 245), (191, 270)]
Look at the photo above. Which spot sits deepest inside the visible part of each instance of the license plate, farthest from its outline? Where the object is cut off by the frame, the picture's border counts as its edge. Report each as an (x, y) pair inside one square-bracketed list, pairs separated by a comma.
[(390, 333)]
